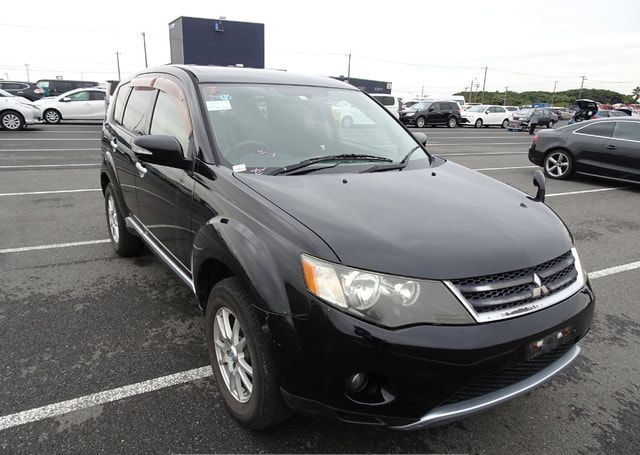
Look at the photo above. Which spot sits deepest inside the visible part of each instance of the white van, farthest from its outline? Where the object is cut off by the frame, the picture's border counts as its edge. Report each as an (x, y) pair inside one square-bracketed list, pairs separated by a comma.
[(392, 103), (457, 98)]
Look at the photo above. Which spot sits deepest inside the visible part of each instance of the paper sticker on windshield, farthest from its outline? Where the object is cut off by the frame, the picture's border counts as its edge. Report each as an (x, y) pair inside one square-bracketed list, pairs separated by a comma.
[(239, 168), (218, 105)]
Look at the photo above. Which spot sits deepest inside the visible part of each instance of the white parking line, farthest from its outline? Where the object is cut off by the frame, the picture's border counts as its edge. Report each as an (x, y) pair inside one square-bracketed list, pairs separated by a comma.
[(50, 150), (51, 246), (614, 270), (51, 139), (107, 396), (503, 168), (597, 190), (29, 193), (35, 166), (119, 393), (475, 144)]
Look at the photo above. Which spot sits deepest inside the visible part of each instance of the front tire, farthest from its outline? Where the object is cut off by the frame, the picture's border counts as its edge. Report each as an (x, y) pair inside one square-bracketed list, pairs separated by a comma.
[(558, 164), (124, 243), (420, 122), (550, 124), (478, 123), (52, 116), (12, 121), (347, 122), (240, 352)]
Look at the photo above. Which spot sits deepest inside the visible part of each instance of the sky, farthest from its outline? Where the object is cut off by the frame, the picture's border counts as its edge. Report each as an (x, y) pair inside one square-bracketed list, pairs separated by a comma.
[(435, 48)]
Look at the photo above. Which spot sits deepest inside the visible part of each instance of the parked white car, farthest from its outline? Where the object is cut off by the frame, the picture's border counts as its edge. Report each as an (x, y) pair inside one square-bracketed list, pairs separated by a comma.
[(348, 115), (78, 104), (486, 115), (390, 102), (17, 112)]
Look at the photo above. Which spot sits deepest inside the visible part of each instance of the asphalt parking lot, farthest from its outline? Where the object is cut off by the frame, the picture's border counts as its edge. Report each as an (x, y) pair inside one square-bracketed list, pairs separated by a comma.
[(120, 343)]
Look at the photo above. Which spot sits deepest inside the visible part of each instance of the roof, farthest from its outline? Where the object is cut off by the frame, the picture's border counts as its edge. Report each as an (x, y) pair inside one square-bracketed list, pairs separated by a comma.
[(221, 74)]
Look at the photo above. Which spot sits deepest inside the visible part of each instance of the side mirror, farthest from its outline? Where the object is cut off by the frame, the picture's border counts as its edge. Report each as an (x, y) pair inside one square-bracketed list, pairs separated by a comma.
[(540, 183), (430, 109), (159, 149), (66, 99), (421, 137)]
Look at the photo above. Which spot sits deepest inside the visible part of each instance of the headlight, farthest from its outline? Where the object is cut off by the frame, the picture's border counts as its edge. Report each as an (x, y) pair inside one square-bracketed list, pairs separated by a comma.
[(410, 114), (387, 300)]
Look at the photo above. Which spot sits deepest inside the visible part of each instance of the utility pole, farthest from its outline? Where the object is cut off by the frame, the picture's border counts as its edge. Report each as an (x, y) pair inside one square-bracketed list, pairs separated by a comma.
[(144, 44), (484, 82), (118, 63), (422, 92), (6, 76), (26, 65), (581, 85), (505, 95), (471, 90), (553, 95), (349, 66)]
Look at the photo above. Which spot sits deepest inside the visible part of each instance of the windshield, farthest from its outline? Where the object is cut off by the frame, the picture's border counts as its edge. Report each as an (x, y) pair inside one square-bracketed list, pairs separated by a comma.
[(525, 112), (3, 93), (420, 106), (260, 128), (477, 109)]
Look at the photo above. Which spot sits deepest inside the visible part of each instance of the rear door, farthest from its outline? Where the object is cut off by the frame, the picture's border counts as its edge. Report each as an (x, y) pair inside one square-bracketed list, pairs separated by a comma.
[(164, 193), (97, 105), (587, 144), (623, 150), (434, 114), (499, 115)]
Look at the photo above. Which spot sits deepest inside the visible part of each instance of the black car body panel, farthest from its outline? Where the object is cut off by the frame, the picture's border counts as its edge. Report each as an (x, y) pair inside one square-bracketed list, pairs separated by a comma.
[(434, 113), (432, 220), (603, 154)]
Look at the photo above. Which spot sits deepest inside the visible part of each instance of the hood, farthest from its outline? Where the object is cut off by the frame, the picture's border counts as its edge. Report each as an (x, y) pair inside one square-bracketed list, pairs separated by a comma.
[(454, 224)]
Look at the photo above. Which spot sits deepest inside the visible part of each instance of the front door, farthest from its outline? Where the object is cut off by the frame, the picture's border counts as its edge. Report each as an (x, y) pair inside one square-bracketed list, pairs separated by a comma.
[(623, 150), (98, 105), (588, 143), (165, 193)]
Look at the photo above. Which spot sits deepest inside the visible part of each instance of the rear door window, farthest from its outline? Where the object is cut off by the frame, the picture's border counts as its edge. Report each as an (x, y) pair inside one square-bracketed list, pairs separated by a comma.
[(602, 129), (136, 113), (627, 130), (97, 96)]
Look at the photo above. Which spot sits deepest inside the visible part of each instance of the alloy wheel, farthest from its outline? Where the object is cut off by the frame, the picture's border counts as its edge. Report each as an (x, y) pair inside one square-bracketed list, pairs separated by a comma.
[(11, 121), (52, 117), (232, 354), (452, 122), (113, 219), (420, 122), (557, 164)]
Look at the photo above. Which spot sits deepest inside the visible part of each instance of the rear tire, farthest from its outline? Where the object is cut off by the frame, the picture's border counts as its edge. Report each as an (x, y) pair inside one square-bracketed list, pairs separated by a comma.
[(505, 123), (245, 349), (11, 121), (421, 122), (558, 164), (478, 123), (452, 122), (124, 242), (52, 116)]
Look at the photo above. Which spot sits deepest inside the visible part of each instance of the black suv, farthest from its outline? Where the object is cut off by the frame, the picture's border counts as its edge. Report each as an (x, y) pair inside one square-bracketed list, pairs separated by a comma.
[(24, 89), (342, 271), (55, 87), (427, 113)]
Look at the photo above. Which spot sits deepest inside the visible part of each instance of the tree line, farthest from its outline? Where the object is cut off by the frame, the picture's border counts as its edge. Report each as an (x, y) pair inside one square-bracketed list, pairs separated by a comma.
[(564, 98)]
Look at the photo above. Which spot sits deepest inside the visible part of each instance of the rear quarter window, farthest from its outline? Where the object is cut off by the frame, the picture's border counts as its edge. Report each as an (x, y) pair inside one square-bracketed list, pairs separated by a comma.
[(121, 100)]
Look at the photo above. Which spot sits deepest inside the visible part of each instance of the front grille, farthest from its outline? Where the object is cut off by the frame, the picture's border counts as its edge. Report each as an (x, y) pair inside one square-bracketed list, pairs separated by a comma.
[(509, 376), (510, 290)]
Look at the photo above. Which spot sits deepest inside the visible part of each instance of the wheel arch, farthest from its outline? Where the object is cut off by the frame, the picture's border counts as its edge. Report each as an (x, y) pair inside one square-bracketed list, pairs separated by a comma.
[(225, 247), (44, 112), (12, 111)]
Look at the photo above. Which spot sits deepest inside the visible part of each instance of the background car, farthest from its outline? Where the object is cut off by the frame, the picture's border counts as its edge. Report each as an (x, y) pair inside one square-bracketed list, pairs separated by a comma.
[(605, 113), (392, 103), (17, 112), (347, 115), (522, 117), (80, 104), (607, 147), (486, 115), (432, 113), (55, 87), (24, 89)]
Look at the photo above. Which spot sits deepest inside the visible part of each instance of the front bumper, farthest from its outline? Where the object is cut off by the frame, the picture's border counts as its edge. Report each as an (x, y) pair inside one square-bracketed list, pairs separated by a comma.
[(422, 373), (408, 120), (32, 116)]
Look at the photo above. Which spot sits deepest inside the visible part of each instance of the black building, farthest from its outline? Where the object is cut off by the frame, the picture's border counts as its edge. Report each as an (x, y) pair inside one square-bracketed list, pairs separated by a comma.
[(216, 42), (367, 85)]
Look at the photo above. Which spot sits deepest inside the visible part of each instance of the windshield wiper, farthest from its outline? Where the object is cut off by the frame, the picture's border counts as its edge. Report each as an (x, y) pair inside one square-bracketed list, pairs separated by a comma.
[(389, 167), (320, 159)]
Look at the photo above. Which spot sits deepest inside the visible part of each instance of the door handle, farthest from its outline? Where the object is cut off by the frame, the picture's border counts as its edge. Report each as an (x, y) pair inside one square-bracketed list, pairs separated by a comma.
[(141, 169), (114, 145), (611, 147)]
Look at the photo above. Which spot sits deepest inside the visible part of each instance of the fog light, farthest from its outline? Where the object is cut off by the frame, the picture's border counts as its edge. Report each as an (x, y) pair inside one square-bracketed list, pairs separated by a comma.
[(357, 382)]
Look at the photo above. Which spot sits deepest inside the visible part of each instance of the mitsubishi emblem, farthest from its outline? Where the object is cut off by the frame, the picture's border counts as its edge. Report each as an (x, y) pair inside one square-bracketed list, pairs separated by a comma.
[(539, 290)]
